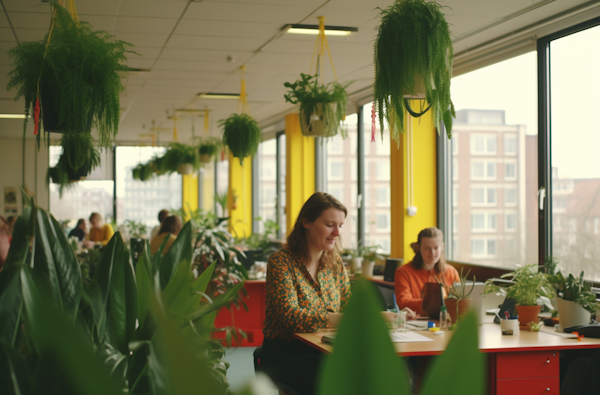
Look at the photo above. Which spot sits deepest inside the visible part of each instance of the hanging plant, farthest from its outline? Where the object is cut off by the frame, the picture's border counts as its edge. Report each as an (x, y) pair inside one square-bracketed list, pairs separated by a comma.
[(181, 158), (142, 172), (208, 148), (322, 107), (77, 159), (242, 135), (413, 43), (79, 82)]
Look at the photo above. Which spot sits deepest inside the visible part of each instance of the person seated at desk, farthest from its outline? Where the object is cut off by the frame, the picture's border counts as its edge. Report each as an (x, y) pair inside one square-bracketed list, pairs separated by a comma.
[(171, 226), (428, 266), (307, 289), (100, 233), (162, 214), (79, 230)]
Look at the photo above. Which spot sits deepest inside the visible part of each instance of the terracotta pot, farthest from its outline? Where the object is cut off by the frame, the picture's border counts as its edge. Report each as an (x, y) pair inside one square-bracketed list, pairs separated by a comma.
[(315, 124), (528, 314), (463, 307), (571, 314)]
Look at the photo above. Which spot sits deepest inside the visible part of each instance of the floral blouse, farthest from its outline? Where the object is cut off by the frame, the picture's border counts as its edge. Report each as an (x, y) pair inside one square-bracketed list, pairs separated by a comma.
[(298, 303)]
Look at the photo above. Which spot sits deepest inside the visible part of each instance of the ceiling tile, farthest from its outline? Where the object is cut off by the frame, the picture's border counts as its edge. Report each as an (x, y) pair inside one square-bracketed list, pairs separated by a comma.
[(25, 35), (143, 39), (208, 42), (196, 65), (26, 6), (152, 8), (203, 54), (247, 12), (144, 25), (27, 19), (228, 29)]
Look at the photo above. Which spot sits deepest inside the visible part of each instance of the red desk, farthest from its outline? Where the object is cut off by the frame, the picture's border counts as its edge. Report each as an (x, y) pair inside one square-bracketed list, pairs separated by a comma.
[(250, 321), (528, 361)]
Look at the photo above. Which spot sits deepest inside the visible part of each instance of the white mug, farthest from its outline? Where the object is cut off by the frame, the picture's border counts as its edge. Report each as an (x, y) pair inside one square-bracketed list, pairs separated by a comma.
[(509, 327)]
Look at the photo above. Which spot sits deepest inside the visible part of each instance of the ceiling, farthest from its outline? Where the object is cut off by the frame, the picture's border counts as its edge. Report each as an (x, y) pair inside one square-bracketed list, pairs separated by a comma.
[(185, 45)]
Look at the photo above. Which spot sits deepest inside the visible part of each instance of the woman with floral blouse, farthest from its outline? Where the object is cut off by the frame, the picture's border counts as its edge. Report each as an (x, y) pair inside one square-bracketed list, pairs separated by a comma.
[(307, 289)]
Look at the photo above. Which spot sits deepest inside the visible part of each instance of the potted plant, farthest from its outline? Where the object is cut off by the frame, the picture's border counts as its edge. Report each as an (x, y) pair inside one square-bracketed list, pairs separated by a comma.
[(137, 232), (181, 158), (528, 285), (458, 302), (575, 299), (77, 72), (241, 134), (413, 44), (208, 149), (142, 172), (78, 158), (261, 245), (363, 257), (322, 107)]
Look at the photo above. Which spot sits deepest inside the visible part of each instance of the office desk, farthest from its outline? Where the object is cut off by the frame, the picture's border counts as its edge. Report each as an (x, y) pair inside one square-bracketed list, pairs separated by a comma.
[(527, 362)]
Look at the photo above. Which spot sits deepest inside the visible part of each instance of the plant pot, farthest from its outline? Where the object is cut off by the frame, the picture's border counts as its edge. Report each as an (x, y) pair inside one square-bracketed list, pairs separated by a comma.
[(317, 124), (571, 314), (528, 314), (419, 92), (355, 264), (464, 305), (49, 110), (205, 158), (367, 268), (185, 168)]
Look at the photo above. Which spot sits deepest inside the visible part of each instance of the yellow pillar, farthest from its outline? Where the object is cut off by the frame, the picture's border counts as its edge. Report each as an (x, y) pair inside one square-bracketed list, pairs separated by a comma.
[(239, 197), (300, 168), (189, 195), (406, 228)]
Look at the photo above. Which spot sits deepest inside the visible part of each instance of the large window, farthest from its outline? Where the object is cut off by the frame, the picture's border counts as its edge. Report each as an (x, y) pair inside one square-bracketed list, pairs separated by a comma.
[(80, 199), (142, 200), (493, 153), (267, 181), (575, 183), (281, 174)]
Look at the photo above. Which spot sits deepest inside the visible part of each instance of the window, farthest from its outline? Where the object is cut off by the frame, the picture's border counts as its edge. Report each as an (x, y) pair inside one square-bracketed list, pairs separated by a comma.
[(510, 144), (282, 219), (383, 196), (455, 169), (510, 221), (335, 145), (383, 221), (383, 170), (336, 170), (492, 124), (267, 181), (222, 178), (510, 171)]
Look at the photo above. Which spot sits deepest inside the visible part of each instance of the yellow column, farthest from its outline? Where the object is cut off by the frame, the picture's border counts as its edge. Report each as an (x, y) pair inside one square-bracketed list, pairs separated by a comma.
[(189, 195), (300, 168), (404, 228), (239, 197)]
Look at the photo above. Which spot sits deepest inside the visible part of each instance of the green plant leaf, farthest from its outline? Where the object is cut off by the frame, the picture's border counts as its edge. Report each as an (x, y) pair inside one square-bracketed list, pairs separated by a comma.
[(14, 378), (461, 369), (179, 288), (66, 352), (92, 296), (55, 260), (11, 303), (369, 366), (143, 278), (179, 251), (222, 300)]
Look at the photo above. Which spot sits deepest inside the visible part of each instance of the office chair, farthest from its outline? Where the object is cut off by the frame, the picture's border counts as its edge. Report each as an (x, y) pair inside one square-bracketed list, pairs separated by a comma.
[(283, 389)]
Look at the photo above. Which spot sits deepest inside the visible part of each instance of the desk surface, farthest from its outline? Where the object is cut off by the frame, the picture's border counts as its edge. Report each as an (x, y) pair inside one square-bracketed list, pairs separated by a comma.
[(490, 340)]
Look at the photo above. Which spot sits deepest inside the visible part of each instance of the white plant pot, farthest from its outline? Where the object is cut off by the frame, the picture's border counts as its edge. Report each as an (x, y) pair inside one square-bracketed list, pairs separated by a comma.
[(315, 124), (185, 168), (571, 314), (419, 92), (367, 268), (355, 264), (205, 158)]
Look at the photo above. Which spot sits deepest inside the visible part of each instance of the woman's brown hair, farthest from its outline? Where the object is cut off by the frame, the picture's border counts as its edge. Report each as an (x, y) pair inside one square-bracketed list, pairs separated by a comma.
[(310, 212), (440, 266), (170, 224)]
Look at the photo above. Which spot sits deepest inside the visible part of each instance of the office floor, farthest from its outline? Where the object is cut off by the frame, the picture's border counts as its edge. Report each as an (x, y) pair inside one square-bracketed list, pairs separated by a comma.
[(241, 368)]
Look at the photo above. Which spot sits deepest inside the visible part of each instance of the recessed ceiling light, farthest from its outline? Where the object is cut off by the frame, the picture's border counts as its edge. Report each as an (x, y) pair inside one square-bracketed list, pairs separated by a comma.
[(314, 29), (13, 116), (219, 95)]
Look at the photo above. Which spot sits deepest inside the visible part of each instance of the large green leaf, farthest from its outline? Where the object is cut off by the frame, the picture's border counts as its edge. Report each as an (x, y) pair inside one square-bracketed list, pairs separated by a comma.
[(199, 288), (181, 250), (21, 239), (11, 303), (92, 297), (461, 369), (217, 303), (14, 379), (363, 360), (179, 289), (64, 351), (143, 277), (54, 259)]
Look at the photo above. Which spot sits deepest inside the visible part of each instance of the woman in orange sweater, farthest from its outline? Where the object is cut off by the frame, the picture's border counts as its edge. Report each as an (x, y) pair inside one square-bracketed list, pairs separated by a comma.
[(428, 266)]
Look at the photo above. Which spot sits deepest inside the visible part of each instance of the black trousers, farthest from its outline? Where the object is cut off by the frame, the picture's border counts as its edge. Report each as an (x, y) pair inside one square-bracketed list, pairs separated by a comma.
[(291, 364)]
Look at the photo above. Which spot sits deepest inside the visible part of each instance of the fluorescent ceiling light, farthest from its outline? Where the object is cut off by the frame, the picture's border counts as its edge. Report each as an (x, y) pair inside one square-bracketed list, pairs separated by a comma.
[(219, 95), (314, 29), (13, 116)]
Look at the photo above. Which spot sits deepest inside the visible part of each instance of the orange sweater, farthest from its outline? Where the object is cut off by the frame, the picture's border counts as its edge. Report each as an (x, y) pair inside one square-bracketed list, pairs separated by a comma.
[(409, 282)]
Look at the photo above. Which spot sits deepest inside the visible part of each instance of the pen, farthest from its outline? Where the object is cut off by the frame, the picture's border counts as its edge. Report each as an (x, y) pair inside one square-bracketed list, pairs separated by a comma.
[(396, 304)]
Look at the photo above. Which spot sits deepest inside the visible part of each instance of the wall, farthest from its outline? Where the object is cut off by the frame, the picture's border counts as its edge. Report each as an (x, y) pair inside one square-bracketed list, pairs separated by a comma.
[(11, 173)]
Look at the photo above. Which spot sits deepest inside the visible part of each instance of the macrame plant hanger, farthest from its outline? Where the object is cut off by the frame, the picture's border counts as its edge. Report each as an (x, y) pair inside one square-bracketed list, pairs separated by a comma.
[(75, 16), (320, 45)]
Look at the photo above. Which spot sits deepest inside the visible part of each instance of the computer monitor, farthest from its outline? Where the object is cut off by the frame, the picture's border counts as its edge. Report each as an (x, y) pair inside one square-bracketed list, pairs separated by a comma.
[(389, 271), (476, 297)]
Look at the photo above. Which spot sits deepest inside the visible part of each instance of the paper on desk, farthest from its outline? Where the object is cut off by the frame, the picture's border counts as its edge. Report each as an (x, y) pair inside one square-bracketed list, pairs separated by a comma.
[(408, 337), (551, 331)]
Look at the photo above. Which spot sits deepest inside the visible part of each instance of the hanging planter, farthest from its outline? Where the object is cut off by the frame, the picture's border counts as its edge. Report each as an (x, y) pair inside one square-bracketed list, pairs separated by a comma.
[(240, 131), (77, 72), (180, 158), (322, 106), (142, 172), (413, 44), (78, 158), (208, 149)]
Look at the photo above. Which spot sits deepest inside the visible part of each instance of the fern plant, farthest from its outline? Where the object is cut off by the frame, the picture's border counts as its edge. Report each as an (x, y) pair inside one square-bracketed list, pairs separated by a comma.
[(77, 159), (313, 97), (413, 40), (241, 134), (208, 148), (178, 154), (79, 78)]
